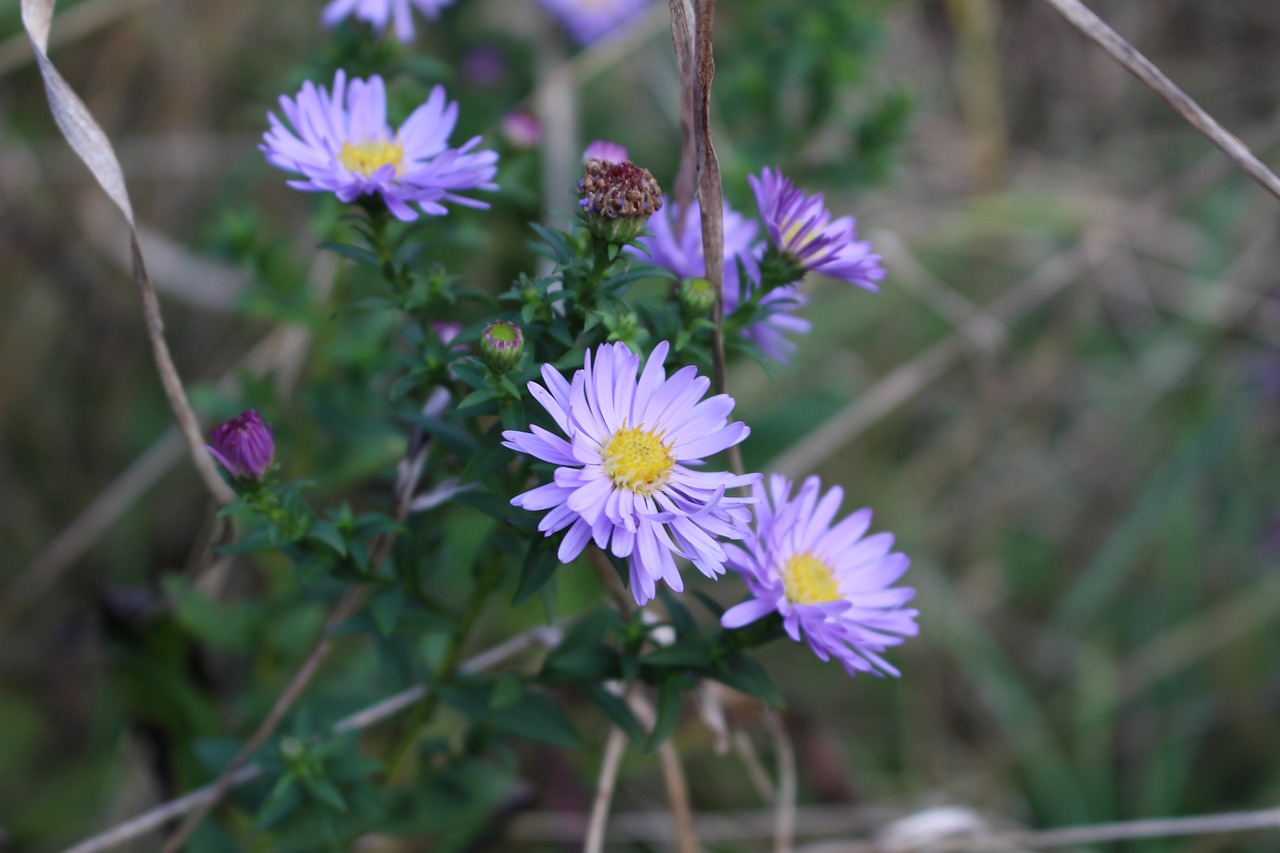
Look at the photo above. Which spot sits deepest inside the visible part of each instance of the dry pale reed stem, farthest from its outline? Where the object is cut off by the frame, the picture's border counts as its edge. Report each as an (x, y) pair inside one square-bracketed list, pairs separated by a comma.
[(614, 748), (1099, 32), (784, 827), (92, 146)]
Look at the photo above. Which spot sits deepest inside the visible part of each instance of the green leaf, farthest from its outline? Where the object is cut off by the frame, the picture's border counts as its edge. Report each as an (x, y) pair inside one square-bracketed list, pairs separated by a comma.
[(506, 692), (324, 791), (617, 710), (283, 799), (742, 673), (540, 564), (533, 716), (681, 618), (387, 606), (677, 655), (323, 531), (556, 240), (489, 456), (231, 626), (477, 398), (669, 702), (354, 253)]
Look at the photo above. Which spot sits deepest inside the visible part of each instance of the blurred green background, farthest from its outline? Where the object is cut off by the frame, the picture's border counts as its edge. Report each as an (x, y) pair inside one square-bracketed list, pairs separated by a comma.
[(1065, 402)]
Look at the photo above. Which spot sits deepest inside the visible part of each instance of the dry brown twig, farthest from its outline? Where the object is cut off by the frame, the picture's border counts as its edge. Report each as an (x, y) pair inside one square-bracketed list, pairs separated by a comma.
[(1101, 34)]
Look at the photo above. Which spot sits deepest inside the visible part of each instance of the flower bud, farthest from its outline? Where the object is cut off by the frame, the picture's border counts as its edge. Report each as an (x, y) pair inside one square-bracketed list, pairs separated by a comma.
[(243, 445), (501, 346), (697, 296), (618, 199)]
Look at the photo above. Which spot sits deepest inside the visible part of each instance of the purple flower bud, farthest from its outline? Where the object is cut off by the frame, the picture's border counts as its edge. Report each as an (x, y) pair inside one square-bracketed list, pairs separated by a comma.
[(501, 346), (244, 445)]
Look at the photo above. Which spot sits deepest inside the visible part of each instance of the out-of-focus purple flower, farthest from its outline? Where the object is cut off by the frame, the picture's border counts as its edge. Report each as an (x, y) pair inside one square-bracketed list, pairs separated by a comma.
[(380, 13), (342, 144), (243, 445), (522, 128), (627, 466), (800, 227), (446, 330), (830, 584), (605, 151), (590, 20), (483, 66), (677, 246)]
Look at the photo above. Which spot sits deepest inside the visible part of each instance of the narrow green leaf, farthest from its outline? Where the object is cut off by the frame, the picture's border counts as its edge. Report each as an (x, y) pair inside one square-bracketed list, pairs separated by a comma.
[(669, 702)]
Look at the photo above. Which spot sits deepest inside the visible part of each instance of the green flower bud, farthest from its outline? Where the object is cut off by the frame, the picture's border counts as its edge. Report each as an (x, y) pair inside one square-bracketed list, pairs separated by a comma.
[(501, 346), (697, 296)]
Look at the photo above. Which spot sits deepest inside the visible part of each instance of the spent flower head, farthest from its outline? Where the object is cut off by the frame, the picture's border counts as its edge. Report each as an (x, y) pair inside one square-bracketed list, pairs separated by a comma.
[(380, 13), (617, 199), (831, 584), (243, 445), (627, 473), (591, 20), (802, 232), (341, 143)]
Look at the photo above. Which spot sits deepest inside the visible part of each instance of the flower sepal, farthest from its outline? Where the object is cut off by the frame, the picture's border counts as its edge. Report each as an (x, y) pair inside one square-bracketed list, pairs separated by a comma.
[(779, 268)]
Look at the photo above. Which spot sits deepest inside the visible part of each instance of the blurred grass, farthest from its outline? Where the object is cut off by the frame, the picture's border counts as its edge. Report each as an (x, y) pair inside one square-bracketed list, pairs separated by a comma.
[(1091, 507)]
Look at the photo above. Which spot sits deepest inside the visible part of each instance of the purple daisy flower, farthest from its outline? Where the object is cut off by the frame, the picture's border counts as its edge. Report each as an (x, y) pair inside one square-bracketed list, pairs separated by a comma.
[(677, 247), (342, 144), (626, 472), (801, 227), (379, 13), (829, 583), (590, 20), (243, 445)]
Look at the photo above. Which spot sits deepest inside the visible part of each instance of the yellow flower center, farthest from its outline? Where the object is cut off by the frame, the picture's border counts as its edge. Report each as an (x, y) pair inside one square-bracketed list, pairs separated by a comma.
[(808, 580), (637, 459), (368, 157)]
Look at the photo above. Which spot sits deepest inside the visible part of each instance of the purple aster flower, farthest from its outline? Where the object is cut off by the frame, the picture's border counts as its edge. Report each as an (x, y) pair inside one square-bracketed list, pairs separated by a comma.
[(800, 227), (604, 150), (522, 128), (483, 66), (243, 445), (379, 13), (677, 246), (590, 20), (829, 583), (342, 144), (626, 471)]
